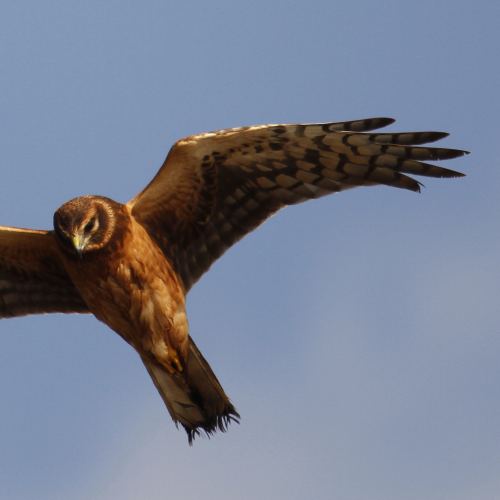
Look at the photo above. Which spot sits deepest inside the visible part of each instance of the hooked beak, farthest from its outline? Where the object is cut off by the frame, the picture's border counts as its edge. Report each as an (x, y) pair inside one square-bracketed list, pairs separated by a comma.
[(79, 243)]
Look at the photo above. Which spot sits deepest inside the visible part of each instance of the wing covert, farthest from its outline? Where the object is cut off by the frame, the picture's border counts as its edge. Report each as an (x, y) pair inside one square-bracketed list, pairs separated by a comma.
[(216, 187), (32, 278)]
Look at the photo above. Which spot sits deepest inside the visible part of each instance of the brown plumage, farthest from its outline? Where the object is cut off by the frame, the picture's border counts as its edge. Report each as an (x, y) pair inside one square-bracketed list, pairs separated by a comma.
[(132, 265)]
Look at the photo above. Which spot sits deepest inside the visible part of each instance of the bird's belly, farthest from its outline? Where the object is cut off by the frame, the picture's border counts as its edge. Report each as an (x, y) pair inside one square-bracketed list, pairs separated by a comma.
[(142, 301)]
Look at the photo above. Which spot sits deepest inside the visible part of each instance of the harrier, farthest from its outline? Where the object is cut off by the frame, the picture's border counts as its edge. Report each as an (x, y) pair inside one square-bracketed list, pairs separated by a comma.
[(132, 265)]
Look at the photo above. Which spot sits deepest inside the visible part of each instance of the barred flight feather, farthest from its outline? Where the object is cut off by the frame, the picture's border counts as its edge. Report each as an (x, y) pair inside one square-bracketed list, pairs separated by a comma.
[(246, 174), (132, 265)]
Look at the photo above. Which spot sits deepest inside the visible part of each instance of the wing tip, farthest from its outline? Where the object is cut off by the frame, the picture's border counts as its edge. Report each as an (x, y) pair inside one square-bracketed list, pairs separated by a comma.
[(386, 120), (451, 174), (449, 154), (362, 125), (371, 124)]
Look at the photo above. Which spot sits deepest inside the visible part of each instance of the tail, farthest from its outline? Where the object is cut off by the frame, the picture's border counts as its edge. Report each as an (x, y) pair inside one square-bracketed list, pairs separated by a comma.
[(193, 397)]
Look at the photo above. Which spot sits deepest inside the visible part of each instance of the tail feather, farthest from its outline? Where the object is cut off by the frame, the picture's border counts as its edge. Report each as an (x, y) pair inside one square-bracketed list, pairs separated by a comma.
[(193, 397)]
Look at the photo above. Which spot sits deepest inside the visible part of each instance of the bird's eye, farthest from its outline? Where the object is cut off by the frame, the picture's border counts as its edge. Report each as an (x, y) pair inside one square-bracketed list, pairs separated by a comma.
[(89, 226)]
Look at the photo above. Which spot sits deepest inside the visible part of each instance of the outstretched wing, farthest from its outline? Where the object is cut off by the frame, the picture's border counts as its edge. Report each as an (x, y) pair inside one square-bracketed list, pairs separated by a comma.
[(32, 278), (214, 188)]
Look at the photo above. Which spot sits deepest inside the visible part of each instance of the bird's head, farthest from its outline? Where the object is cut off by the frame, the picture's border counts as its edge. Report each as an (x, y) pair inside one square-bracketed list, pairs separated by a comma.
[(85, 224)]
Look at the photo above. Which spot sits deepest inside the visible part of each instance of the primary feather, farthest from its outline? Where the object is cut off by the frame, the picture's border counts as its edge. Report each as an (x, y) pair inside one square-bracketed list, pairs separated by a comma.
[(132, 265)]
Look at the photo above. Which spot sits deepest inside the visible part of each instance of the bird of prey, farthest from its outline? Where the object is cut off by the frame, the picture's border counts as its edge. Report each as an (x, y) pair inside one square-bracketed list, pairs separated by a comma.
[(132, 265)]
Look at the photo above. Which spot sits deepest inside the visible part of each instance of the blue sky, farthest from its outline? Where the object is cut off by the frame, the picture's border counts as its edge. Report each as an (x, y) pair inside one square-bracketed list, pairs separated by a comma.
[(358, 335)]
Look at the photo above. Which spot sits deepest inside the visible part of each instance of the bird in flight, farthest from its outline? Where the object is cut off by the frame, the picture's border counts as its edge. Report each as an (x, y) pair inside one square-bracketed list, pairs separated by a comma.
[(132, 265)]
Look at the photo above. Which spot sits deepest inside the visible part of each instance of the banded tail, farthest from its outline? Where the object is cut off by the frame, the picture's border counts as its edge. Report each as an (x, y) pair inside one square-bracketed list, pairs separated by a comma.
[(194, 397)]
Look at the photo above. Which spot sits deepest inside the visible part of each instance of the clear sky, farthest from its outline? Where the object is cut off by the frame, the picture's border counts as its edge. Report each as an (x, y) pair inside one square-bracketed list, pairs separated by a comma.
[(358, 335)]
